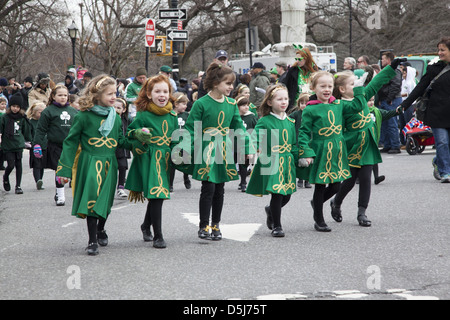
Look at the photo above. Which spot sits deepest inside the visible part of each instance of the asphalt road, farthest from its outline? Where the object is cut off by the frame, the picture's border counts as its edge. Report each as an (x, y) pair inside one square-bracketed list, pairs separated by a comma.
[(404, 255)]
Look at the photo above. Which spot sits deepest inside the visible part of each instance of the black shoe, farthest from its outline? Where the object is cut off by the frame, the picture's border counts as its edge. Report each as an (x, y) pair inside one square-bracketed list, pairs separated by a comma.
[(393, 151), (336, 213), (159, 243), (243, 187), (92, 249), (300, 183), (171, 188), (307, 185), (322, 227), (19, 190), (379, 179), (362, 218), (269, 220), (203, 233), (278, 232), (385, 150), (216, 235), (102, 238), (6, 184), (187, 184), (146, 233)]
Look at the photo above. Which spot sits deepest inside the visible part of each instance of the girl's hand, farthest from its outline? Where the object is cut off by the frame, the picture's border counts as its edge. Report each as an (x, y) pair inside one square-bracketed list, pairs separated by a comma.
[(143, 135), (359, 82), (305, 162)]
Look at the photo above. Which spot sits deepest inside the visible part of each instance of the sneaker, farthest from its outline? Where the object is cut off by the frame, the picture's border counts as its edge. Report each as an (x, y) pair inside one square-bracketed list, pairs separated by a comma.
[(39, 184), (394, 150), (19, 190), (436, 174), (215, 233), (6, 184), (385, 150), (445, 178), (121, 193), (203, 233)]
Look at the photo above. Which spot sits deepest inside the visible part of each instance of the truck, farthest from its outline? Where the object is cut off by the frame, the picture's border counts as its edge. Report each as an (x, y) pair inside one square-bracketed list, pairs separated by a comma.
[(324, 56)]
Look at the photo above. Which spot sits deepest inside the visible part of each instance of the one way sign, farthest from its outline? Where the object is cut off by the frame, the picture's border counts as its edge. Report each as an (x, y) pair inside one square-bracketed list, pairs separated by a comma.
[(175, 14), (177, 35)]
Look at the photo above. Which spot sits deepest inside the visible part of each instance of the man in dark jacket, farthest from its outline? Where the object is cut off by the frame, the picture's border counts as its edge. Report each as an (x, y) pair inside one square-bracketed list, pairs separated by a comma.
[(390, 98)]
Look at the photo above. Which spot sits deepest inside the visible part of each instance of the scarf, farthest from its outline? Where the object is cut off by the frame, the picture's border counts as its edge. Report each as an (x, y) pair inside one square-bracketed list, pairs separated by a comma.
[(12, 118), (153, 108), (108, 124)]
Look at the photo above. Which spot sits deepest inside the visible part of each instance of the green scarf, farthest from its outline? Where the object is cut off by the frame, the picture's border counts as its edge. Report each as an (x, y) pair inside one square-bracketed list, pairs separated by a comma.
[(108, 124)]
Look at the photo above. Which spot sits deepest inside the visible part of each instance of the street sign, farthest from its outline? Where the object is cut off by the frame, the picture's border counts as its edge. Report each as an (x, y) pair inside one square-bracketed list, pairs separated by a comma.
[(150, 33), (177, 35), (173, 14)]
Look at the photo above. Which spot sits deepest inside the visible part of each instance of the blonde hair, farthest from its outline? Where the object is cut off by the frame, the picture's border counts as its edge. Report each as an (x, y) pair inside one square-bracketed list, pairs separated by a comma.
[(265, 109), (31, 112), (317, 75), (91, 95), (340, 80), (180, 97)]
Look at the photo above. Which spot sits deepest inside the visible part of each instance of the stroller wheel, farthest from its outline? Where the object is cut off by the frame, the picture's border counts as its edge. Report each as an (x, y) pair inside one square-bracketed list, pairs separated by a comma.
[(411, 146), (420, 149)]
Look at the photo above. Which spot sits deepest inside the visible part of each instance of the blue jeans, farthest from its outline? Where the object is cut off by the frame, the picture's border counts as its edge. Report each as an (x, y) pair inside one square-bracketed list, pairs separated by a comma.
[(442, 142), (389, 128)]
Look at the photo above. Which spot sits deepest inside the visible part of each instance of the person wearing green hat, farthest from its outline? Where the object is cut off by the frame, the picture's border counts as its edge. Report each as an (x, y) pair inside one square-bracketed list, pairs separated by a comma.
[(167, 71), (274, 76), (132, 91)]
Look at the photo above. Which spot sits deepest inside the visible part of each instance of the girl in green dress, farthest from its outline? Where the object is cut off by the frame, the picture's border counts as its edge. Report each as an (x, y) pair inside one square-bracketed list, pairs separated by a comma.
[(275, 169), (149, 174), (209, 124), (89, 158), (360, 133), (320, 139)]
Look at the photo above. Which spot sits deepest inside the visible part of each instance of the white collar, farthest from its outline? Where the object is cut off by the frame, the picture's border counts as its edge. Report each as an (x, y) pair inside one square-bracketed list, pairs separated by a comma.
[(279, 117)]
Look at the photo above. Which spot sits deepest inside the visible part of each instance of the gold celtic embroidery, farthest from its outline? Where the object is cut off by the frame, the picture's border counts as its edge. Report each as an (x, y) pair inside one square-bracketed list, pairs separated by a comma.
[(357, 155), (284, 186), (343, 173), (328, 173), (328, 131), (164, 139), (103, 141), (205, 170), (213, 131), (159, 189), (286, 147), (230, 172), (362, 122)]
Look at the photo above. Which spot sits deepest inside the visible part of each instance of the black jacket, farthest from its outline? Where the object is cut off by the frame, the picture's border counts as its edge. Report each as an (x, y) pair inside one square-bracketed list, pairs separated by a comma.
[(437, 114), (391, 90)]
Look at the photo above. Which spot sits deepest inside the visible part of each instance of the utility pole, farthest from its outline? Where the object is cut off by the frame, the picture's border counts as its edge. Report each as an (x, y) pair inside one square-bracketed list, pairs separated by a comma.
[(175, 45)]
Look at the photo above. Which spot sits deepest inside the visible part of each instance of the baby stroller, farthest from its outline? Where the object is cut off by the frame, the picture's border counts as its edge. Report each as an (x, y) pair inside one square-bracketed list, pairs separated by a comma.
[(417, 136)]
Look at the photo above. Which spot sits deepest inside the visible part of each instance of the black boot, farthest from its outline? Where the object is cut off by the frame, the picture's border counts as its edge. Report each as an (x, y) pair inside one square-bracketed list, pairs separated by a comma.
[(269, 220), (362, 218)]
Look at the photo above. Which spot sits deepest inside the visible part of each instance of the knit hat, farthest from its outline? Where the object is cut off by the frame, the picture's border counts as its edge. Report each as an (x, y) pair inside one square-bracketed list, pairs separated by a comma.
[(141, 72), (28, 79), (3, 82), (16, 100)]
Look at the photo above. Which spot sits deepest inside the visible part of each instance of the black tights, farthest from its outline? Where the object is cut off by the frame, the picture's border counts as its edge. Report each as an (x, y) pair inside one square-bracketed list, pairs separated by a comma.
[(153, 216), (14, 160), (364, 174), (94, 224), (211, 199), (278, 201), (322, 193)]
